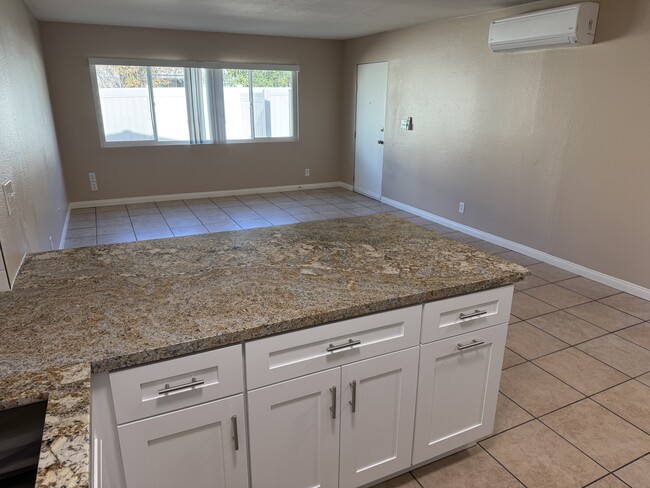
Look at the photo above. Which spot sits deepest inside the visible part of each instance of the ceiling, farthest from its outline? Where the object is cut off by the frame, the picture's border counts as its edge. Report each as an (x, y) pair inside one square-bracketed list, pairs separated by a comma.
[(327, 19)]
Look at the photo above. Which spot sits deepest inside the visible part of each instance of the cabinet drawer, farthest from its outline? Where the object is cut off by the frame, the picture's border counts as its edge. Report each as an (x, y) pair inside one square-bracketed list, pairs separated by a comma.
[(286, 356), (458, 315), (177, 383)]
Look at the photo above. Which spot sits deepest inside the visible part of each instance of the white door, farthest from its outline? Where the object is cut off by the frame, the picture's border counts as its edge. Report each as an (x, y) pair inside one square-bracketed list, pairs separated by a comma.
[(457, 391), (294, 432), (377, 416), (371, 116), (202, 446)]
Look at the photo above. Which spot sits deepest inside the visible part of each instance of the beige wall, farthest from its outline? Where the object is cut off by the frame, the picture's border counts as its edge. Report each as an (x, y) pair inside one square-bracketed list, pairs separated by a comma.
[(28, 149), (143, 171), (550, 149)]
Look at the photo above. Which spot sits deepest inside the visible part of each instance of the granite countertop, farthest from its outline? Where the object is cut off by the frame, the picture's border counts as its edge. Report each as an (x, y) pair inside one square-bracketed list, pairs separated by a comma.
[(94, 309)]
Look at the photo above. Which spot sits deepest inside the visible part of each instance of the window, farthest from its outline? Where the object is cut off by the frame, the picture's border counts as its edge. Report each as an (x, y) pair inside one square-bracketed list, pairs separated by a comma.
[(201, 103)]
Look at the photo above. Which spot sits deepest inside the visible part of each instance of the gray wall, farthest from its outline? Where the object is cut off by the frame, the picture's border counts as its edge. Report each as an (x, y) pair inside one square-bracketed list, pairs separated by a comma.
[(145, 171), (28, 150), (547, 148)]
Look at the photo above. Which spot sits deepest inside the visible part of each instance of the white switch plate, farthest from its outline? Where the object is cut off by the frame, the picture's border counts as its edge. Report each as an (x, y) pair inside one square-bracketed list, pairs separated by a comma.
[(307, 172), (461, 207), (10, 196)]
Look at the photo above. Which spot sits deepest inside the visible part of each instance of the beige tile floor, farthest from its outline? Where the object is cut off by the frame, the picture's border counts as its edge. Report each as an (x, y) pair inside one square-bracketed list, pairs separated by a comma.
[(574, 407)]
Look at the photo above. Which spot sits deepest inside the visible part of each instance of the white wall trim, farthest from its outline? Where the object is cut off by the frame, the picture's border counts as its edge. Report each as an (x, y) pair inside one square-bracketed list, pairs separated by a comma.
[(206, 194), (617, 283)]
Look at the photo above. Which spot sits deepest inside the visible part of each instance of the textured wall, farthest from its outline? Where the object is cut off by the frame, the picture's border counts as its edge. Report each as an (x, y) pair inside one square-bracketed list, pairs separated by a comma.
[(28, 149), (142, 171), (546, 148)]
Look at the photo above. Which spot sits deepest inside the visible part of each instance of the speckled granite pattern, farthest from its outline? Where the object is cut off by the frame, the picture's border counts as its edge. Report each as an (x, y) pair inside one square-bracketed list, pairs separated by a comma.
[(121, 305)]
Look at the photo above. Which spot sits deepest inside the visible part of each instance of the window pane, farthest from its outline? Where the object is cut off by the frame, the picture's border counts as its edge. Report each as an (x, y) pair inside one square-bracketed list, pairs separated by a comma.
[(170, 104), (124, 99), (272, 103), (236, 104)]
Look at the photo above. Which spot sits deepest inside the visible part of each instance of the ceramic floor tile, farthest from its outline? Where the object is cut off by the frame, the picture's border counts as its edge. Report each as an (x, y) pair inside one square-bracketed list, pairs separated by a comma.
[(639, 334), (518, 258), (82, 217), (535, 390), (513, 319), (252, 223), (403, 213), (155, 233), (114, 229), (144, 211), (557, 296), (540, 458), (631, 400), (581, 371), (192, 230), (509, 415), (182, 222), (637, 474), (295, 211), (419, 221), (111, 215), (113, 221), (550, 273), (530, 342), (606, 438), (80, 224), (177, 213), (282, 219), (267, 212), (83, 232), (567, 327), (132, 206), (644, 378), (511, 359), (610, 481), (438, 228), (79, 211), (404, 481), (462, 469), (110, 208), (623, 355), (603, 316), (150, 226), (526, 307), (359, 212), (80, 242), (489, 247), (339, 214), (461, 237), (629, 304), (588, 288), (531, 281), (215, 218), (310, 217), (170, 203), (116, 238), (147, 219), (222, 226)]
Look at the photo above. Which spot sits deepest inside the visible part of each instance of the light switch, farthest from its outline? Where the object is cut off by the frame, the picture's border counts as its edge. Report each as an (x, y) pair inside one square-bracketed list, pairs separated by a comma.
[(10, 196)]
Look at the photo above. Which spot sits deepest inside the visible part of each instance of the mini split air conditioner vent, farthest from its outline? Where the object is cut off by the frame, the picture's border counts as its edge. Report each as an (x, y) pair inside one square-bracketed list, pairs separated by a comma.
[(572, 25)]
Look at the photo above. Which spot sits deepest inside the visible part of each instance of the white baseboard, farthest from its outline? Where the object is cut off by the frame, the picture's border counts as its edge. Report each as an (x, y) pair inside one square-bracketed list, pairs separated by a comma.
[(376, 196), (617, 283), (206, 194)]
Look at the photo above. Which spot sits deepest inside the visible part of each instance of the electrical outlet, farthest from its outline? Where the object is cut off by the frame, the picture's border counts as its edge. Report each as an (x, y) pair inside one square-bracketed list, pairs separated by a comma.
[(461, 207), (93, 186), (10, 196), (92, 177), (307, 172)]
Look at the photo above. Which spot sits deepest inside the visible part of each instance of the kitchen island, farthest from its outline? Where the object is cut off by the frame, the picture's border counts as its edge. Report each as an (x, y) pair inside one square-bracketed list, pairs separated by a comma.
[(76, 312)]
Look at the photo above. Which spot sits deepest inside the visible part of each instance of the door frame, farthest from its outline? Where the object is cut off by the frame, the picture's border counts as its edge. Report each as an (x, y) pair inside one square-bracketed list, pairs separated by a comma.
[(356, 113)]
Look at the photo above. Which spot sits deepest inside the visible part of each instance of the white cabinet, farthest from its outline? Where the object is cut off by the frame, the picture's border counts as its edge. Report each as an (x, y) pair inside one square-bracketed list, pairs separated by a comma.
[(295, 425), (377, 413), (199, 447), (294, 432), (457, 391)]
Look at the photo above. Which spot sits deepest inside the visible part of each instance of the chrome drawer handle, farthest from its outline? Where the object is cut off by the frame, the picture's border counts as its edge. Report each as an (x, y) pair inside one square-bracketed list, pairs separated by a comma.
[(469, 345), (333, 406), (169, 389), (350, 343), (235, 434), (476, 313), (353, 402)]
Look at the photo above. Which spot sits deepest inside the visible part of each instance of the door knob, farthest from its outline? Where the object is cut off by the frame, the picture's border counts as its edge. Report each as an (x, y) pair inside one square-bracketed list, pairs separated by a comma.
[(380, 142)]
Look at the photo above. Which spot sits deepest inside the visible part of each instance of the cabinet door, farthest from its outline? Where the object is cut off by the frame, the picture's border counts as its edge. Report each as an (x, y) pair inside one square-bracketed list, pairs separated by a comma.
[(377, 416), (294, 432), (202, 446), (457, 391)]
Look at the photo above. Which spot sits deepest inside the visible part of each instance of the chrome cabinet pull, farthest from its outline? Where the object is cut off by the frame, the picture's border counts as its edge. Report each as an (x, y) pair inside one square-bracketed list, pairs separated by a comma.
[(353, 402), (476, 313), (350, 343), (235, 434), (169, 389), (333, 406), (469, 345)]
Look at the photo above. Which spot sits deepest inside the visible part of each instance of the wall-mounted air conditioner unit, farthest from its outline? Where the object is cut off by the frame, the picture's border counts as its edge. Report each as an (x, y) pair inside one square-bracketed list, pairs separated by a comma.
[(573, 25)]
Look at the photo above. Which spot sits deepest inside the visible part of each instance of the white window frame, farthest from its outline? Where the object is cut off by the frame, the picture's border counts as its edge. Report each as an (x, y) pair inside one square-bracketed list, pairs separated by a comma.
[(216, 105)]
